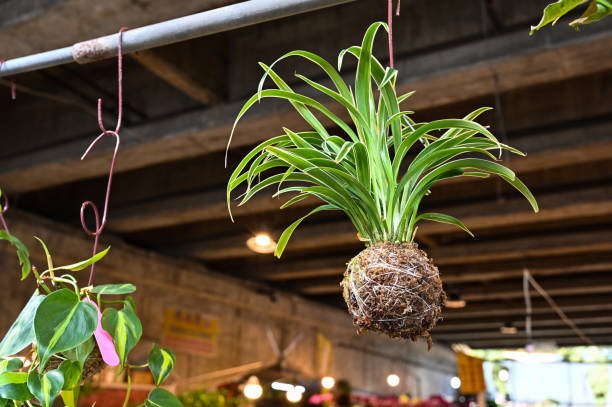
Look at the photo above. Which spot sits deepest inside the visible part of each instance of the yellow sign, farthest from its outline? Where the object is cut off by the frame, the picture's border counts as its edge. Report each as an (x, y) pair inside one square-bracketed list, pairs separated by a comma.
[(471, 374), (190, 332)]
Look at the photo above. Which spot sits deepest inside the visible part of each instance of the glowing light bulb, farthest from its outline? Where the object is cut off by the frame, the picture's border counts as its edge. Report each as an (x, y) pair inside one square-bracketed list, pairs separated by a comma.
[(393, 380), (294, 396), (328, 382), (263, 240), (455, 382), (261, 243), (252, 389), (503, 375)]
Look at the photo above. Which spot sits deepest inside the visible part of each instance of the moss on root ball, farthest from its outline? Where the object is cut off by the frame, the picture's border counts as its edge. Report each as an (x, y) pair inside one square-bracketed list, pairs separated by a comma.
[(394, 289)]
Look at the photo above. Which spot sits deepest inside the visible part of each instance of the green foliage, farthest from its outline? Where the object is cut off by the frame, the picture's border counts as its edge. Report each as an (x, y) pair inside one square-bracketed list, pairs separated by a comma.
[(362, 170), (45, 386), (204, 398), (595, 11), (125, 328), (161, 363), (71, 371), (162, 398), (114, 289), (63, 322), (60, 325), (22, 253), (21, 334)]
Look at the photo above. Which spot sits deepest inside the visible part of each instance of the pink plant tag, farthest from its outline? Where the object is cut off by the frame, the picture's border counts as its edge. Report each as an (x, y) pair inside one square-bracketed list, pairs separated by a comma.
[(105, 341)]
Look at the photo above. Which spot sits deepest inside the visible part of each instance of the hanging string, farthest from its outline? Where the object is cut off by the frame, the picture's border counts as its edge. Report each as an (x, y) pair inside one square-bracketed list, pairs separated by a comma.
[(527, 278), (113, 133), (13, 86), (390, 23), (4, 207)]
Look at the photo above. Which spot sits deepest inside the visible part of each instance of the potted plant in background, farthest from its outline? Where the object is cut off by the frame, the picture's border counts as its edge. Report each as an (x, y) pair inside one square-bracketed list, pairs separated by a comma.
[(392, 286)]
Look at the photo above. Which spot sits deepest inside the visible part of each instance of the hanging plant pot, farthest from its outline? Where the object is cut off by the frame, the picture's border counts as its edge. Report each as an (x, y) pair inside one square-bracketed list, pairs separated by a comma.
[(392, 286), (394, 289)]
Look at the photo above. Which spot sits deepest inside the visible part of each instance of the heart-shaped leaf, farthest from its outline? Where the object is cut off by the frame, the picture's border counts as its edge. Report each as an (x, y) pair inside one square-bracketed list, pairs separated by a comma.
[(45, 386), (63, 322), (162, 398), (161, 363), (10, 365), (13, 386), (21, 333), (69, 397), (114, 289), (71, 371), (81, 352), (22, 253), (124, 327)]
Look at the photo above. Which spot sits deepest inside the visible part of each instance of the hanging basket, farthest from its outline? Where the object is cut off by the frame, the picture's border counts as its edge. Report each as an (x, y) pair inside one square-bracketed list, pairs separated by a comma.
[(93, 365)]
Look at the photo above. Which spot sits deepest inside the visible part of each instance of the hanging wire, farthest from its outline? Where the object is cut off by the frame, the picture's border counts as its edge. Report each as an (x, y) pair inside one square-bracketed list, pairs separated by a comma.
[(5, 208), (390, 23), (113, 133), (527, 278)]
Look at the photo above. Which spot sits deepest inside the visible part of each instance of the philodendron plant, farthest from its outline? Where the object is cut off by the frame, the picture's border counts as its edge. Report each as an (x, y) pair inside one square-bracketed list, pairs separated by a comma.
[(377, 169), (69, 333)]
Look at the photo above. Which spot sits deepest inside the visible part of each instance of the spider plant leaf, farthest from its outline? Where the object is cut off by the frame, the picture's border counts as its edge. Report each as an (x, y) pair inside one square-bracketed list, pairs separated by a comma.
[(405, 96), (326, 66), (295, 199), (363, 80), (443, 218), (522, 188), (390, 76), (286, 235)]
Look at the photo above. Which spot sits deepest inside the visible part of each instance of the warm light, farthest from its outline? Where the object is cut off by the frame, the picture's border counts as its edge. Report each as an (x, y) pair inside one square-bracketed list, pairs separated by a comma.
[(252, 389), (263, 240), (294, 395), (454, 301), (393, 380), (261, 243), (328, 382), (503, 375), (508, 329), (455, 382), (280, 386)]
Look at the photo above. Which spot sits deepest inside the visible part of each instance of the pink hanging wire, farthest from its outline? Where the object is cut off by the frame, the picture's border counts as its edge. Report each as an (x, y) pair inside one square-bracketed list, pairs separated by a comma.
[(113, 133), (390, 23), (6, 204)]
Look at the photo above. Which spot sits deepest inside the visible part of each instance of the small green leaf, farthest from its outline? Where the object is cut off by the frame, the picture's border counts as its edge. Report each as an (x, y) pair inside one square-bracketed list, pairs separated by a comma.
[(81, 352), (21, 333), (13, 386), (69, 397), (161, 363), (443, 218), (63, 322), (22, 253), (162, 398), (71, 370), (83, 264), (114, 289), (10, 365), (45, 386), (596, 11), (555, 11), (124, 327)]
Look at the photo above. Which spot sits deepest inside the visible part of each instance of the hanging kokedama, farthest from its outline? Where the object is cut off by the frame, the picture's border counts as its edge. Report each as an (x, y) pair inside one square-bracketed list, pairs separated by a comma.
[(392, 286)]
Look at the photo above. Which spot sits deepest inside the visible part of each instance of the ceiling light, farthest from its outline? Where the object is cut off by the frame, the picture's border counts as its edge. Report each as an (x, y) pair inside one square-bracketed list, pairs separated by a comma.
[(252, 389), (508, 328), (454, 300), (261, 243), (455, 382), (393, 380), (503, 375), (294, 395), (328, 382)]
